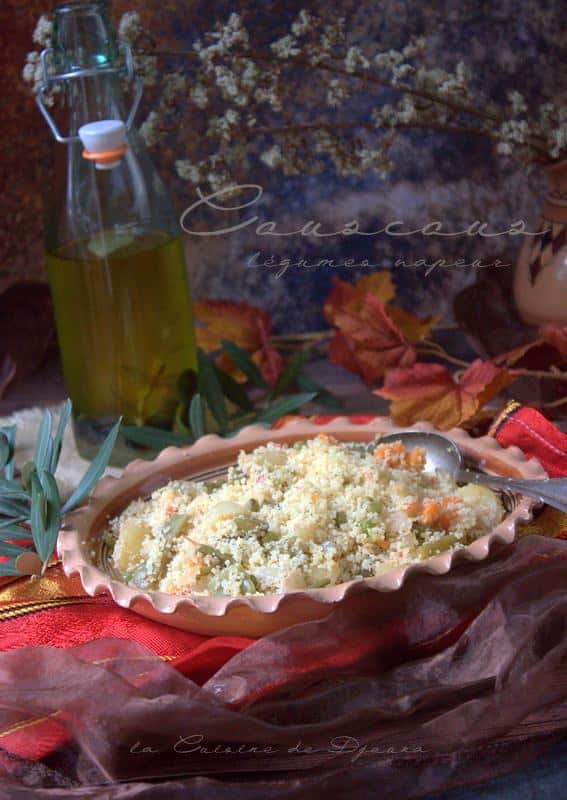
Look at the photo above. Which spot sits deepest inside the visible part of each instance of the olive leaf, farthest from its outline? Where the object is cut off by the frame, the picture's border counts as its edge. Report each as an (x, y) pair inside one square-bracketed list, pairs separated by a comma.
[(210, 389), (218, 391), (233, 390), (14, 531), (7, 549), (324, 397), (155, 438), (290, 372), (5, 451), (197, 417), (8, 434), (94, 472), (44, 443), (284, 406), (8, 567), (244, 363), (30, 508), (64, 418)]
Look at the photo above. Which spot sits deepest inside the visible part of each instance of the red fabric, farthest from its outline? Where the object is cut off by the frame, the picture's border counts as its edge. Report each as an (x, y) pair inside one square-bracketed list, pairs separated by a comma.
[(196, 656), (537, 437), (79, 619)]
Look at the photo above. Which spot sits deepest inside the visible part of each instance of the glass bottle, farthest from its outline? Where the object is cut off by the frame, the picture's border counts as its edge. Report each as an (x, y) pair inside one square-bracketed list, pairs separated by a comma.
[(114, 249)]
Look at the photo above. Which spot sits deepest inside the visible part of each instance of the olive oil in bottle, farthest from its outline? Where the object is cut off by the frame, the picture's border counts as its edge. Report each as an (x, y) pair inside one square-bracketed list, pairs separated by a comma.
[(124, 326), (114, 251)]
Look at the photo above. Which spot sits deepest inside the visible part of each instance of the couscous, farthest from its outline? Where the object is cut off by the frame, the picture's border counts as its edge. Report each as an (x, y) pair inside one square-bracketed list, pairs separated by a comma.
[(308, 515)]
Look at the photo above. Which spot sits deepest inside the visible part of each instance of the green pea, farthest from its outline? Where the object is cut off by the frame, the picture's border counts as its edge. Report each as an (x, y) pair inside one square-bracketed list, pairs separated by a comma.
[(253, 504), (299, 445), (376, 507)]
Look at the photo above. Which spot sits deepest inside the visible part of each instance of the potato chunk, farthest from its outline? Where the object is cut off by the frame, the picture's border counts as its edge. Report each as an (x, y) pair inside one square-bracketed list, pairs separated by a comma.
[(129, 544), (480, 496)]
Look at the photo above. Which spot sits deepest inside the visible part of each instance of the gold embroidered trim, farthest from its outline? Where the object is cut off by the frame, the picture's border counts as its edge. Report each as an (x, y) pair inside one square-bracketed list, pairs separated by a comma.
[(19, 609)]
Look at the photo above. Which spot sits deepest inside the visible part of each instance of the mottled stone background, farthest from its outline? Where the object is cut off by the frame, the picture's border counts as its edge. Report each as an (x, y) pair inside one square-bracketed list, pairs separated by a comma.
[(453, 179)]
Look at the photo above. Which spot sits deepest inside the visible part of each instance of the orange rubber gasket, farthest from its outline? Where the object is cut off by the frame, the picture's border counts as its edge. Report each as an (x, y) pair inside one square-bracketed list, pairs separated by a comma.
[(106, 155)]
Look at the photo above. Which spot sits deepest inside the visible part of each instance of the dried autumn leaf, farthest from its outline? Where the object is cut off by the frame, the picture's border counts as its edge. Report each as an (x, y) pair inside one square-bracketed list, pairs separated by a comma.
[(345, 296), (224, 319), (368, 342), (556, 336), (484, 381), (341, 353), (239, 323), (267, 358), (429, 392), (413, 327), (378, 284)]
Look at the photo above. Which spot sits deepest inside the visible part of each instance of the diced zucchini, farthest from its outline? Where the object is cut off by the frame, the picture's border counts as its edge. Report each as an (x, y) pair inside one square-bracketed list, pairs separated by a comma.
[(438, 546), (209, 550), (248, 585), (245, 524), (174, 525)]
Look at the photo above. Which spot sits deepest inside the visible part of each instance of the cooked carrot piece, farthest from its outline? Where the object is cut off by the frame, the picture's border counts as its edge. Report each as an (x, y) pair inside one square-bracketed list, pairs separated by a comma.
[(413, 508), (396, 456), (416, 459), (440, 515)]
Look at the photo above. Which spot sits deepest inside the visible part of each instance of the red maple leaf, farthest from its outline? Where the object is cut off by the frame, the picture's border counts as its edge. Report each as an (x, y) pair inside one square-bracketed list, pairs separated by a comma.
[(225, 319), (245, 325), (429, 392), (368, 342), (346, 296), (267, 358)]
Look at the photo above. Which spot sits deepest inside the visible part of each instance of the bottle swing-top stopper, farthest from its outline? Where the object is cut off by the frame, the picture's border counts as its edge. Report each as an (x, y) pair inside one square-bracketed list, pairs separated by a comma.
[(104, 142)]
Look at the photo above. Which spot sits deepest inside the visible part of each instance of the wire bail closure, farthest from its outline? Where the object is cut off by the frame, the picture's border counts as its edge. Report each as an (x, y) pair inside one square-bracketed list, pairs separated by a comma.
[(51, 78)]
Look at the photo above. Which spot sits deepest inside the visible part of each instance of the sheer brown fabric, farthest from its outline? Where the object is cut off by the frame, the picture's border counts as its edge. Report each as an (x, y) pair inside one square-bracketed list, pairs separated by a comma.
[(450, 680)]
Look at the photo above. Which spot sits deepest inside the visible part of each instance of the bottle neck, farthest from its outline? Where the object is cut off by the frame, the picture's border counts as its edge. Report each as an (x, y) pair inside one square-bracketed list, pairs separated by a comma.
[(94, 98), (127, 198), (85, 51), (83, 37)]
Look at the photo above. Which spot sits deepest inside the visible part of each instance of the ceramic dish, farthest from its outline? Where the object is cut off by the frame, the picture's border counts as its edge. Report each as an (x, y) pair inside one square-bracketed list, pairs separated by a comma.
[(82, 550)]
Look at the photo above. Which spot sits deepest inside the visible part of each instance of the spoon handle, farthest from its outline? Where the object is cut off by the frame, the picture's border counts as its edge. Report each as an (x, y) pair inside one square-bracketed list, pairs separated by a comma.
[(552, 491)]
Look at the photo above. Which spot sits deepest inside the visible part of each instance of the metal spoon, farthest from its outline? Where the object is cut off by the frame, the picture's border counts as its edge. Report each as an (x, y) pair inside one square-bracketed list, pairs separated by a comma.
[(442, 453)]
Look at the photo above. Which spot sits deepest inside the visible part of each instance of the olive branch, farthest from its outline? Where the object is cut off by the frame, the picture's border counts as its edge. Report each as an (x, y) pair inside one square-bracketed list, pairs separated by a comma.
[(31, 507)]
